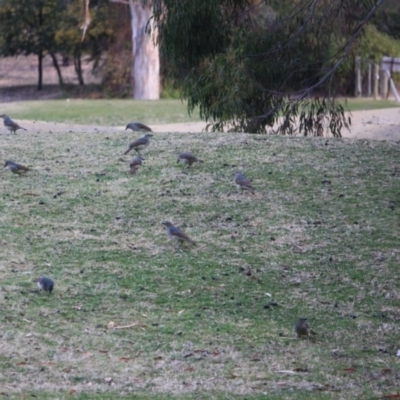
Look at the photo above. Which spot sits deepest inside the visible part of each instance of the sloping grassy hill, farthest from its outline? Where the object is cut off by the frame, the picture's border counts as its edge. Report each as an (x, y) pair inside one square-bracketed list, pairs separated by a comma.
[(134, 314)]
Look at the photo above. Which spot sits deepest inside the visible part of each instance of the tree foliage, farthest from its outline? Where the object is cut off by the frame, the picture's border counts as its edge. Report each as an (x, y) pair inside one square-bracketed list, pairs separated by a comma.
[(97, 40), (245, 63), (43, 27), (28, 27), (387, 18)]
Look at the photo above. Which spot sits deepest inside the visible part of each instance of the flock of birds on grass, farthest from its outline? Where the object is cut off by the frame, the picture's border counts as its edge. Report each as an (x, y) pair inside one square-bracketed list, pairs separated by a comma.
[(175, 233)]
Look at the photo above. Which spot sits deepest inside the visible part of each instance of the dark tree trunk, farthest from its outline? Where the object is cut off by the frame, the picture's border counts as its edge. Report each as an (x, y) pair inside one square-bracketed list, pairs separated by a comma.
[(78, 68), (57, 67), (40, 54), (40, 69)]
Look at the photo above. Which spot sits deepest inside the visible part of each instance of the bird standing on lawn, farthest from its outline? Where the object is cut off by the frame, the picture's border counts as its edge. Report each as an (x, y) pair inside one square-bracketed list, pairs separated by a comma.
[(11, 125), (140, 144), (302, 329), (188, 158), (135, 163), (138, 127), (45, 284), (176, 233), (243, 183), (16, 168)]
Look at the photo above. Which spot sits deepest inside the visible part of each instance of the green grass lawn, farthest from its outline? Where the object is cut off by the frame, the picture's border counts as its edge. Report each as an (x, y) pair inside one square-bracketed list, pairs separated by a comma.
[(101, 112), (120, 112), (133, 315)]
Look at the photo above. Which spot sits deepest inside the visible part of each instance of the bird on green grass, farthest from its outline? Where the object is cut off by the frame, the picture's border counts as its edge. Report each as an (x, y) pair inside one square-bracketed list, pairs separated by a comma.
[(302, 328), (45, 284), (15, 167), (135, 163), (188, 159), (11, 125), (140, 144), (176, 233), (138, 127), (243, 183)]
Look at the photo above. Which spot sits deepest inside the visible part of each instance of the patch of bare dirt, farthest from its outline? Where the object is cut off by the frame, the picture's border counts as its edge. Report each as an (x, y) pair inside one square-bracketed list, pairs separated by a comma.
[(374, 125)]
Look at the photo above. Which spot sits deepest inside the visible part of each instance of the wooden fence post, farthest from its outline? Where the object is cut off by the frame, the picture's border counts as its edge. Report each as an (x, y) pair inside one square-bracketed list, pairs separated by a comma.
[(369, 89), (358, 89), (376, 80), (384, 84)]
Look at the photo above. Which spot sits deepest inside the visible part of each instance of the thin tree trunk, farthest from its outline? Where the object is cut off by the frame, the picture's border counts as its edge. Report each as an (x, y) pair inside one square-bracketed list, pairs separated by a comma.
[(78, 68), (40, 54), (40, 69), (57, 67), (146, 60)]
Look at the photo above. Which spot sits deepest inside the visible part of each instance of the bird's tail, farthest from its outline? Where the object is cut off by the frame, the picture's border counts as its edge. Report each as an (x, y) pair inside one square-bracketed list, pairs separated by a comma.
[(127, 151)]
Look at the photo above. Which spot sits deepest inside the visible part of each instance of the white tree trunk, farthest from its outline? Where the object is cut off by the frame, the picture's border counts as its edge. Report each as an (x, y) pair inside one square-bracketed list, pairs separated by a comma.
[(146, 60)]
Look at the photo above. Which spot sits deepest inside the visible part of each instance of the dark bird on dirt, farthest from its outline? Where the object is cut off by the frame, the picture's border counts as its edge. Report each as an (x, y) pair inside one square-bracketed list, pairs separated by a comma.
[(140, 144), (45, 284), (188, 159), (16, 168), (135, 163), (176, 233), (11, 125), (243, 183), (138, 127), (302, 329)]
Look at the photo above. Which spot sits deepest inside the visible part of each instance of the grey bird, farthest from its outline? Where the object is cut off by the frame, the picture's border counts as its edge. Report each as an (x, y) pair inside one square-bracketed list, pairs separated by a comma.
[(188, 159), (45, 284), (138, 127), (243, 183), (140, 144), (302, 329), (11, 125), (176, 233), (16, 168), (135, 163)]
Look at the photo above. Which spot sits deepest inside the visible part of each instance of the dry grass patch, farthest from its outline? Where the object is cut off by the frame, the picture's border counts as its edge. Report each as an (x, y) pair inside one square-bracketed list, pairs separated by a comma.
[(134, 314)]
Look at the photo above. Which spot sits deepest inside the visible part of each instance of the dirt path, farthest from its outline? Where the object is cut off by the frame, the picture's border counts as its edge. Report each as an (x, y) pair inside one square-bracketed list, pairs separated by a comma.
[(375, 125)]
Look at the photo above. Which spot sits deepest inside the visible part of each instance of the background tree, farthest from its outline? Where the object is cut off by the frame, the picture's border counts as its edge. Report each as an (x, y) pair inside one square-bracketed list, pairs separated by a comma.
[(387, 18), (115, 69), (245, 63), (51, 27), (145, 54), (97, 40), (28, 27), (145, 70)]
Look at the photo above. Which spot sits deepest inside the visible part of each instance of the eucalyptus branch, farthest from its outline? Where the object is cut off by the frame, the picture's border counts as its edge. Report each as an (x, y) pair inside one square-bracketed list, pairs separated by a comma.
[(301, 94)]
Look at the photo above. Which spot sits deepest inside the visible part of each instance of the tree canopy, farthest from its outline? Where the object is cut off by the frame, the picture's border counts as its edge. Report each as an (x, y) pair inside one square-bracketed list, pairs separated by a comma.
[(244, 63), (43, 27)]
